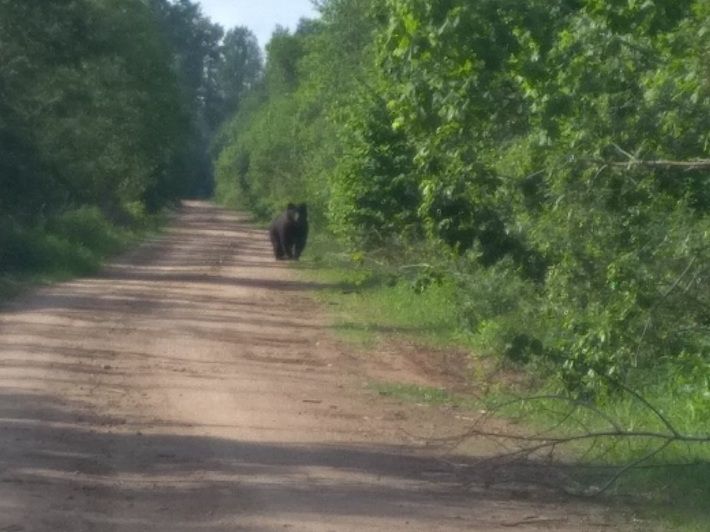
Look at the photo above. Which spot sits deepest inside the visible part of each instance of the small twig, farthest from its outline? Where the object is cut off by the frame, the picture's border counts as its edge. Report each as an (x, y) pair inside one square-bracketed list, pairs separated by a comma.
[(658, 302), (648, 405), (559, 423), (415, 266), (632, 158), (600, 170), (592, 446), (575, 402), (631, 465), (547, 441)]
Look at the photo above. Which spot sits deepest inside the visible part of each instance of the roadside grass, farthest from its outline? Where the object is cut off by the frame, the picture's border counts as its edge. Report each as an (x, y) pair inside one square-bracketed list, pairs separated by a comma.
[(371, 303), (426, 395), (67, 245)]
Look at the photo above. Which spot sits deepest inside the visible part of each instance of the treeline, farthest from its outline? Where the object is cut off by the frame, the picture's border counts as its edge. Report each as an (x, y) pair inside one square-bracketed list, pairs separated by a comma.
[(107, 111), (550, 158)]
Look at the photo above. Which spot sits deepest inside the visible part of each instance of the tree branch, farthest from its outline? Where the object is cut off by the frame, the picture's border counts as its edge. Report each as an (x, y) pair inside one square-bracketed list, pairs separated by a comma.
[(524, 446), (694, 164), (633, 160)]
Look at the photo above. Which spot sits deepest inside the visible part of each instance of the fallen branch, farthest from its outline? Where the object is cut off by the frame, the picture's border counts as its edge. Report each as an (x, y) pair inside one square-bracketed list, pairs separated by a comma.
[(528, 445)]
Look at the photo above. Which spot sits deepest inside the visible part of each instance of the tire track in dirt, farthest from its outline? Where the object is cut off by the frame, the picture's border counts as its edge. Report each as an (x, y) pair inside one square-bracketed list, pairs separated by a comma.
[(193, 385)]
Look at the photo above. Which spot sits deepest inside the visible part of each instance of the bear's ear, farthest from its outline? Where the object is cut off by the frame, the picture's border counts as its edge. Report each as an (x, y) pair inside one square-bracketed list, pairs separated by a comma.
[(290, 207)]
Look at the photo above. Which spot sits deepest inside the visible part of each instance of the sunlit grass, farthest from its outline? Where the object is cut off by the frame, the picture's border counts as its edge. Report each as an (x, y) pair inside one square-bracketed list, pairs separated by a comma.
[(371, 303), (426, 395)]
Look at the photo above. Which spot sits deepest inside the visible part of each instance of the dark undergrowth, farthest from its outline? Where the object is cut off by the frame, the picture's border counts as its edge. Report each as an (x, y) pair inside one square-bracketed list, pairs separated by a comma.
[(63, 246)]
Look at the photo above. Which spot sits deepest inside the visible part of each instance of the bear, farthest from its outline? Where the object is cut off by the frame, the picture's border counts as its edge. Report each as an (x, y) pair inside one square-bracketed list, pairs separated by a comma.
[(301, 232), (289, 231)]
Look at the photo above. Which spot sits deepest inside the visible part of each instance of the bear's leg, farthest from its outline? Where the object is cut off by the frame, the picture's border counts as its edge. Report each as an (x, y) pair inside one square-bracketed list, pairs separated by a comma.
[(276, 244)]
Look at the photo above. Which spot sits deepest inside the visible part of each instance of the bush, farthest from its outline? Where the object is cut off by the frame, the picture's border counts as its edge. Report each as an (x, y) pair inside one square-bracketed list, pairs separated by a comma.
[(87, 227), (34, 251), (70, 243)]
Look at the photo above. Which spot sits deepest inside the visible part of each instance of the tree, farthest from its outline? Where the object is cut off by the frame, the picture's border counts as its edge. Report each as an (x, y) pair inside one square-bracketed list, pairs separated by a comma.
[(195, 45), (92, 109), (240, 67), (556, 150)]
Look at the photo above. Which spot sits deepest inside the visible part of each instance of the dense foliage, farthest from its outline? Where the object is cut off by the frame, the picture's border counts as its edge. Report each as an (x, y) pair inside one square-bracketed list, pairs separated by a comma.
[(550, 157), (107, 109)]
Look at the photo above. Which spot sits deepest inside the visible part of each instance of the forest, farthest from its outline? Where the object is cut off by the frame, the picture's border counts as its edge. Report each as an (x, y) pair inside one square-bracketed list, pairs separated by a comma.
[(107, 111), (541, 171), (546, 161), (549, 159)]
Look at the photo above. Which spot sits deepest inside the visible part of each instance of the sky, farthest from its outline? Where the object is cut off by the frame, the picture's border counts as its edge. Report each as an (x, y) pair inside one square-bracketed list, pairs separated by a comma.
[(260, 16)]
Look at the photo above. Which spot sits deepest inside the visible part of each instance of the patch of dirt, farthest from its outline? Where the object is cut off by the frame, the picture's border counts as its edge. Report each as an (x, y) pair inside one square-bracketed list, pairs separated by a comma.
[(194, 385), (399, 360)]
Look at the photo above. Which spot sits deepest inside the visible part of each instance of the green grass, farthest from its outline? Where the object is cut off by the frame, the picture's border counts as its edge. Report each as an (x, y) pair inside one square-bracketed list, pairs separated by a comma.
[(372, 302), (70, 244), (414, 393), (375, 302)]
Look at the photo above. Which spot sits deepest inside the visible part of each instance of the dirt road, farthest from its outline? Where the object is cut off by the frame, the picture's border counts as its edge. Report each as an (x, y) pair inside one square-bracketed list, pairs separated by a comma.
[(193, 385)]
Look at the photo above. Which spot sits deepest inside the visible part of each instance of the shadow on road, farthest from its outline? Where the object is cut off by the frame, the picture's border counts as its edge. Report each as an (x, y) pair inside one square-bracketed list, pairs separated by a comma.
[(68, 452)]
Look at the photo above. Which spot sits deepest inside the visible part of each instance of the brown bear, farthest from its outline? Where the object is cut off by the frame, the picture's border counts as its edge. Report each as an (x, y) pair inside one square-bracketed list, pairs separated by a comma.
[(289, 232)]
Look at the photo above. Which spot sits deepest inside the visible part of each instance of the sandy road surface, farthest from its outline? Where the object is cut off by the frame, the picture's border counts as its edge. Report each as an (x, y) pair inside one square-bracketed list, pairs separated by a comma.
[(192, 385)]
